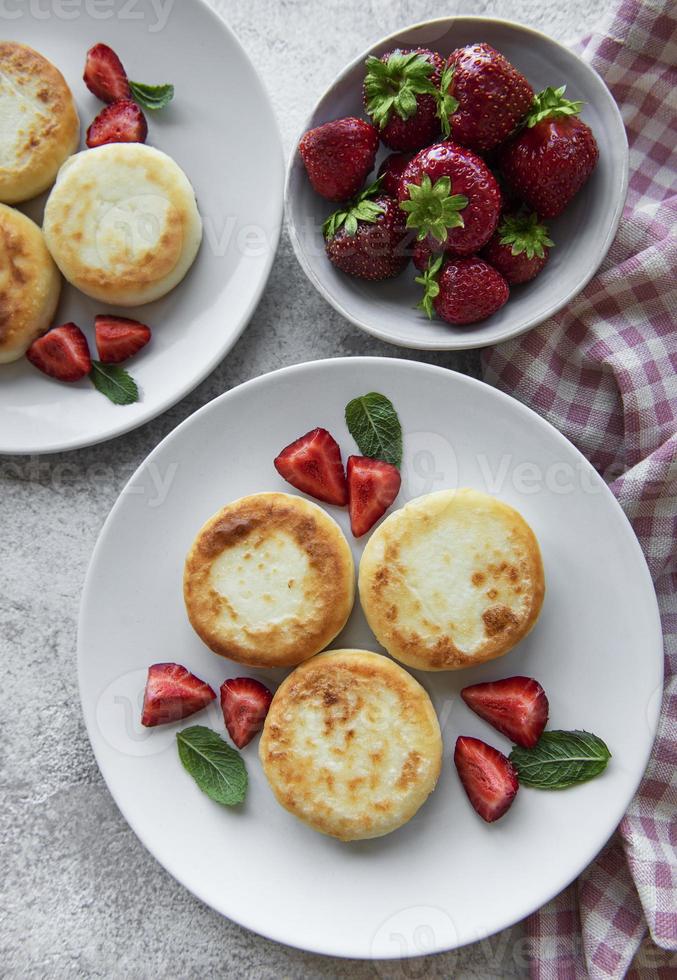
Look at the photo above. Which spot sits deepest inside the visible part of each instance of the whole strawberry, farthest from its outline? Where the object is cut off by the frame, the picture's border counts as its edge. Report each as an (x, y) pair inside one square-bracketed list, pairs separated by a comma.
[(550, 159), (520, 247), (401, 94), (338, 156), (462, 291), (391, 170), (491, 96), (451, 198), (369, 238)]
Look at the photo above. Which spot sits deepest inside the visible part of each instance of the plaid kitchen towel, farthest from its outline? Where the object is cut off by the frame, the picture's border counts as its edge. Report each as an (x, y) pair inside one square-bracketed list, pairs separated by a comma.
[(604, 372)]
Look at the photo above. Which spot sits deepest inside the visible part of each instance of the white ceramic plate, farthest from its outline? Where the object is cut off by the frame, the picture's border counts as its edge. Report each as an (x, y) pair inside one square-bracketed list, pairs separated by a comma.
[(446, 878), (237, 171), (582, 234)]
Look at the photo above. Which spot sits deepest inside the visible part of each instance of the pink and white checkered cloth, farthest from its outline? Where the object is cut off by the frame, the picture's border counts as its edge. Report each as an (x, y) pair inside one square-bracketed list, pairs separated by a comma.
[(604, 371)]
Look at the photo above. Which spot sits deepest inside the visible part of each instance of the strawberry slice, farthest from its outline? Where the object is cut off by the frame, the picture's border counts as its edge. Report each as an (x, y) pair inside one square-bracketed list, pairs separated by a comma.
[(120, 122), (372, 487), (62, 353), (313, 464), (245, 703), (104, 74), (172, 692), (516, 706), (119, 338), (488, 778)]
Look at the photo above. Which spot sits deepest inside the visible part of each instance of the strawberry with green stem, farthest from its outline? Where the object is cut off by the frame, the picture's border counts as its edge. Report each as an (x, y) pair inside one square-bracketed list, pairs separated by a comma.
[(462, 291), (401, 95), (552, 156), (520, 247), (451, 198), (483, 97), (367, 239)]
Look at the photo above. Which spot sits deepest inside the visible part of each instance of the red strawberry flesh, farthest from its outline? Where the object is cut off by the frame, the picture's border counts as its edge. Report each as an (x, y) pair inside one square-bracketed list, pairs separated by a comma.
[(120, 122), (104, 74), (516, 706), (172, 693), (313, 465), (338, 156), (119, 338), (245, 703), (372, 487), (61, 353), (488, 777)]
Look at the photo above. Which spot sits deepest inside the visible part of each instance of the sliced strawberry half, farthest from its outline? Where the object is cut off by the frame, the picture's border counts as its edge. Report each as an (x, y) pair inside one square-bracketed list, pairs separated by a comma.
[(119, 338), (172, 692), (245, 703), (62, 353), (313, 464), (516, 706), (120, 122), (104, 74), (372, 487), (488, 778)]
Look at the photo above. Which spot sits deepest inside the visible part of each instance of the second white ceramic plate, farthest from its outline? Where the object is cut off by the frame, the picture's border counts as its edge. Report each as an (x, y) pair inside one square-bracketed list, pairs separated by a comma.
[(446, 878), (236, 168)]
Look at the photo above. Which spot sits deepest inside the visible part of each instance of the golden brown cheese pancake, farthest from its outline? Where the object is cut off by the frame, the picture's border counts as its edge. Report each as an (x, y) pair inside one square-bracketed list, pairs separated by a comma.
[(122, 223), (351, 744), (452, 579), (29, 284), (39, 125), (269, 580)]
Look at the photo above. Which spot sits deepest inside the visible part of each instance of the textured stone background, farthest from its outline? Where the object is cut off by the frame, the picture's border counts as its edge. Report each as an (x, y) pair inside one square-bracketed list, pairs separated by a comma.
[(80, 897)]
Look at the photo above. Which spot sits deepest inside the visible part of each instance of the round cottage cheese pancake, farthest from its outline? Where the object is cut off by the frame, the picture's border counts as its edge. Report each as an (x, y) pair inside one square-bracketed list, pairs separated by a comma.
[(39, 125), (29, 284), (122, 224), (452, 579), (351, 744), (269, 580)]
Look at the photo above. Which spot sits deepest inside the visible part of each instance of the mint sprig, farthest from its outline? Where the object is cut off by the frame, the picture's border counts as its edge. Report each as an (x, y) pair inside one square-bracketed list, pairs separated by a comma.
[(560, 759), (361, 208), (152, 97), (217, 768), (374, 425), (114, 382)]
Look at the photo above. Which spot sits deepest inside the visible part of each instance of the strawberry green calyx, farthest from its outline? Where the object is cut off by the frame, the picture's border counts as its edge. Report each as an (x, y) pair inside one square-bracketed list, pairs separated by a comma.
[(361, 208), (392, 85), (526, 234), (446, 103), (551, 104), (432, 209), (431, 287)]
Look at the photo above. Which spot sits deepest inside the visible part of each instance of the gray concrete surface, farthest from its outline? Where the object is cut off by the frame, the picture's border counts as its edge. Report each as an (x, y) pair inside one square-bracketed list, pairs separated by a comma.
[(80, 897)]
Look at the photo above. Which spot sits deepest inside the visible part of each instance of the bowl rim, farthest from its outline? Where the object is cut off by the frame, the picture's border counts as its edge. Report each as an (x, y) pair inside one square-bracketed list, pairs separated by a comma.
[(459, 341)]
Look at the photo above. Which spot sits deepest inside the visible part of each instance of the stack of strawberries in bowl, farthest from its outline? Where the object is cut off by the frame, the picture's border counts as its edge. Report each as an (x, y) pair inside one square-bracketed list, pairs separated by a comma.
[(479, 163)]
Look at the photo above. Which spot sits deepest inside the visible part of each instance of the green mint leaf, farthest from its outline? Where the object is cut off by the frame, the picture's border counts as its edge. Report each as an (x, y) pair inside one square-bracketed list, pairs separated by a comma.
[(217, 768), (114, 382), (373, 423), (560, 759), (151, 97)]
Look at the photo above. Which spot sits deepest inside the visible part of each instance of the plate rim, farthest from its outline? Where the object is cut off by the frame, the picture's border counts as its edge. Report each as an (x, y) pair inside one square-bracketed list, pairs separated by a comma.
[(657, 640), (277, 214), (460, 341)]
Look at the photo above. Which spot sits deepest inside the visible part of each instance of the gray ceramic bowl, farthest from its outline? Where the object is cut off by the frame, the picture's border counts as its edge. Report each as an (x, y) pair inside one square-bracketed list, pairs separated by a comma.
[(582, 234)]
